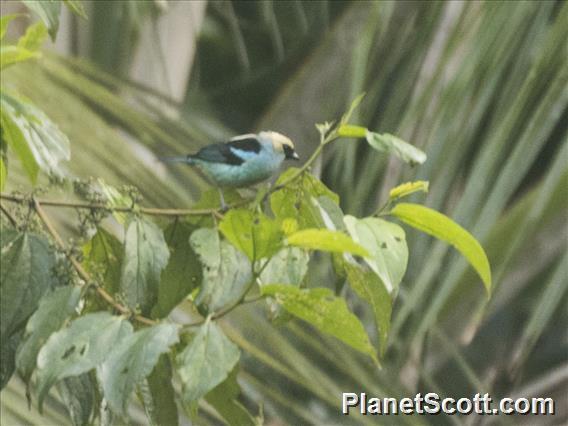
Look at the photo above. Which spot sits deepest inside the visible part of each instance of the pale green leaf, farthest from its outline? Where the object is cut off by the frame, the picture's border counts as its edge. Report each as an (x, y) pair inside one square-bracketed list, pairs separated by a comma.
[(226, 270), (371, 289), (329, 314), (10, 55), (254, 234), (408, 188), (79, 348), (386, 244), (131, 361), (326, 240), (54, 309), (115, 198), (48, 11), (392, 145), (34, 37), (206, 361), (288, 266), (37, 141), (146, 254), (443, 228)]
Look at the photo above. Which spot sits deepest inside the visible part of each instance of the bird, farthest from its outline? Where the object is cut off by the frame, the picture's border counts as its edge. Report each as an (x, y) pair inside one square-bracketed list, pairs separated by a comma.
[(241, 161)]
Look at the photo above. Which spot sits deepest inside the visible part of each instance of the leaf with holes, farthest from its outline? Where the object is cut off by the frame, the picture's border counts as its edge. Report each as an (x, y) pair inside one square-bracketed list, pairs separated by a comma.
[(386, 244), (54, 309), (79, 348)]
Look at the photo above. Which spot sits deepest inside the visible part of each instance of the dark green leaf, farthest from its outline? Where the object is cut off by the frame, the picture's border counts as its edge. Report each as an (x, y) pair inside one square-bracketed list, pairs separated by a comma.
[(131, 361), (33, 136), (8, 356), (103, 259), (386, 244), (206, 361), (226, 271), (26, 274), (393, 145), (329, 314), (78, 394), (183, 272), (254, 234), (161, 407), (146, 254), (80, 347), (48, 12), (54, 309), (370, 288), (443, 228), (224, 398), (76, 6)]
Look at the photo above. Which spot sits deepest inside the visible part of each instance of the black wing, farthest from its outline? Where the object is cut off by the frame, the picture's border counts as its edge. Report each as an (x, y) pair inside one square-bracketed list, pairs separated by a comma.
[(222, 152)]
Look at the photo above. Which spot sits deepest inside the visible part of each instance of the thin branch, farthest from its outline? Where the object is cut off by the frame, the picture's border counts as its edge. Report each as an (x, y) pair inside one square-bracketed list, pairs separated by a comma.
[(11, 218), (79, 268)]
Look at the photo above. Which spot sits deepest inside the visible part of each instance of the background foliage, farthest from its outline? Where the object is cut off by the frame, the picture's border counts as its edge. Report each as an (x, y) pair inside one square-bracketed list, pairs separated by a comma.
[(479, 86)]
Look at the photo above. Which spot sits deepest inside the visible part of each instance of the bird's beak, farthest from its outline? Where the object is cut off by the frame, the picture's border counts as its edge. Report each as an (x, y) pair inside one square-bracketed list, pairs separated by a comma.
[(294, 156)]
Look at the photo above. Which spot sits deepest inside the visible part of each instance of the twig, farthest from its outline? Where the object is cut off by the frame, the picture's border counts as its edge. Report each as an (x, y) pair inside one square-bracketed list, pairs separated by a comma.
[(80, 270), (9, 216)]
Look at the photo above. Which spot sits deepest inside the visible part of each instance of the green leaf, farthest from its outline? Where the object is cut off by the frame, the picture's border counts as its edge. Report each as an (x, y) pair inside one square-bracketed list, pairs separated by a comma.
[(79, 348), (34, 37), (254, 234), (78, 394), (329, 314), (162, 408), (391, 144), (131, 361), (371, 289), (299, 199), (183, 272), (48, 11), (226, 271), (288, 266), (206, 361), (8, 350), (26, 274), (408, 188), (443, 228), (33, 136), (103, 259), (115, 198), (386, 244), (326, 240), (145, 256), (3, 174), (54, 309), (224, 398), (76, 6), (10, 55), (5, 20)]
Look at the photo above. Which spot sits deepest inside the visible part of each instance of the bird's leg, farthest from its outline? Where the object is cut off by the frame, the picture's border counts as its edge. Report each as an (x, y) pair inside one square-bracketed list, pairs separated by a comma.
[(224, 206)]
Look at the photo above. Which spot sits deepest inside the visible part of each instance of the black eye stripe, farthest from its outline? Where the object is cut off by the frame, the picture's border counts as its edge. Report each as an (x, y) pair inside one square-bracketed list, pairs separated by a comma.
[(288, 150)]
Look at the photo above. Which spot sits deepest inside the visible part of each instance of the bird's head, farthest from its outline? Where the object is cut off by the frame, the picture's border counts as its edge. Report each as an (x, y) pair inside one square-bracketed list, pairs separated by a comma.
[(281, 143)]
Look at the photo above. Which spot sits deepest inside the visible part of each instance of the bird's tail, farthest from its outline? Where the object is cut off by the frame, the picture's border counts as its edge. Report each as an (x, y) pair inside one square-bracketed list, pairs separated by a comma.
[(187, 159)]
